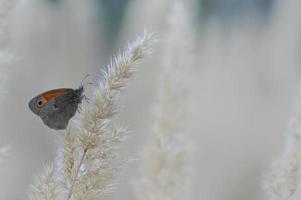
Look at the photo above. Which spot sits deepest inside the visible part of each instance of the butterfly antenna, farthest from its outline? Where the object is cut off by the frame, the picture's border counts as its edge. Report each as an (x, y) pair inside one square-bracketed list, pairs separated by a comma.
[(87, 75), (79, 110), (89, 83), (87, 99)]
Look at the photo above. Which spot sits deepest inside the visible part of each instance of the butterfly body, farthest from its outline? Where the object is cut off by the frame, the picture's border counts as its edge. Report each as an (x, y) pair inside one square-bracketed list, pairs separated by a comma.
[(57, 107)]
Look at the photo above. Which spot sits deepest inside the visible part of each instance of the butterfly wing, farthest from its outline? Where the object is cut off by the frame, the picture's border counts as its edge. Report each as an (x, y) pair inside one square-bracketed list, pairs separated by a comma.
[(54, 117), (58, 106)]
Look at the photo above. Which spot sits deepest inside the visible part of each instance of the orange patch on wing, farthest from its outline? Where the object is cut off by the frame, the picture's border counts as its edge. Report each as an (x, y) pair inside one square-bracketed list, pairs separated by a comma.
[(53, 94)]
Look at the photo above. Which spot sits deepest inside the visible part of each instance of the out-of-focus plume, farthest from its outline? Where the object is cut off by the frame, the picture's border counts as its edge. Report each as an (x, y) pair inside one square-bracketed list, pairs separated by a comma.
[(85, 169), (166, 160), (284, 178)]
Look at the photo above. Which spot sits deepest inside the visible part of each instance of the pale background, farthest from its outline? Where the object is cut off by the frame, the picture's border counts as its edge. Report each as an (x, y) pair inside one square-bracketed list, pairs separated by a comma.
[(248, 69)]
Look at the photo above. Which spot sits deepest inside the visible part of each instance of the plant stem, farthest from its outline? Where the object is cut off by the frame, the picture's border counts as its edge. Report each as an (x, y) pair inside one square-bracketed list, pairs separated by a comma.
[(77, 171)]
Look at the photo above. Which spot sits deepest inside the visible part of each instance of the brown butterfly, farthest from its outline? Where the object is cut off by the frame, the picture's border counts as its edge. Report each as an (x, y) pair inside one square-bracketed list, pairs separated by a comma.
[(57, 107)]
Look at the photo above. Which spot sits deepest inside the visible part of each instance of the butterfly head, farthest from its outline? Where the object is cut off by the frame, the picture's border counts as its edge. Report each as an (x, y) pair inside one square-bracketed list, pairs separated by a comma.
[(78, 94)]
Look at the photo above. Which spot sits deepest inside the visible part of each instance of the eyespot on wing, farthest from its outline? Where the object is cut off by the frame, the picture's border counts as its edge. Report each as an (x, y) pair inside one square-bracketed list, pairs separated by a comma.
[(45, 97)]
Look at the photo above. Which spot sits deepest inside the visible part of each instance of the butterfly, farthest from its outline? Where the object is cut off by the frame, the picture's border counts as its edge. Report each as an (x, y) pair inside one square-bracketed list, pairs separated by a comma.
[(57, 107)]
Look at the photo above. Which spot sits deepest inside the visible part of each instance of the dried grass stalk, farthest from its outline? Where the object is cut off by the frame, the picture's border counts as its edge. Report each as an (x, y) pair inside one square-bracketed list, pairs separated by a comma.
[(84, 169)]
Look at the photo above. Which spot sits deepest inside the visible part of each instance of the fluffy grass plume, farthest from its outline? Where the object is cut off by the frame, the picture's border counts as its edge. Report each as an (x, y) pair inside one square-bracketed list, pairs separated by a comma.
[(284, 177), (84, 168), (166, 163)]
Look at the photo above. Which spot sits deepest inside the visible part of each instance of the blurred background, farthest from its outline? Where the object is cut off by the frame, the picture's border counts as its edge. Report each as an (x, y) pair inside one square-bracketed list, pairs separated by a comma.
[(247, 72)]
